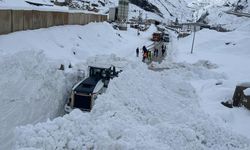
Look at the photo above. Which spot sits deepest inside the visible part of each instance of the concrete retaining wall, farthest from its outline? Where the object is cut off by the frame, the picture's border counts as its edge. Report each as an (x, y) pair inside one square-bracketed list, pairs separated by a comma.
[(5, 21), (17, 20), (27, 20)]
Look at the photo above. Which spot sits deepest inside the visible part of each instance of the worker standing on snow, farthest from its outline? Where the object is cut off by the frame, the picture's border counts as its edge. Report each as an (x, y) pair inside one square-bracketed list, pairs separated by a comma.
[(145, 53), (149, 55), (144, 56), (144, 49), (157, 52), (163, 50), (137, 52)]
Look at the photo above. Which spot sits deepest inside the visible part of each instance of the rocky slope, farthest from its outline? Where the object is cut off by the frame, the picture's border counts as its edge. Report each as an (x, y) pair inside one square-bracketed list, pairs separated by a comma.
[(164, 9)]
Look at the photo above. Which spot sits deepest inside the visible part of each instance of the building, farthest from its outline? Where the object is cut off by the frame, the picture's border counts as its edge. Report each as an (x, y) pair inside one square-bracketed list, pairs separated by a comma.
[(123, 6), (113, 13), (190, 27)]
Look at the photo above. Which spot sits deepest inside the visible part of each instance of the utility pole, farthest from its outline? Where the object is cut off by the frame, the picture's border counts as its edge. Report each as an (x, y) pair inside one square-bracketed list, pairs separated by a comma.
[(192, 49)]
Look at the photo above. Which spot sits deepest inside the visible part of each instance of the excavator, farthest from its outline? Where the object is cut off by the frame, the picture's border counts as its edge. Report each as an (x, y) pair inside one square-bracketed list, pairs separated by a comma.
[(84, 93)]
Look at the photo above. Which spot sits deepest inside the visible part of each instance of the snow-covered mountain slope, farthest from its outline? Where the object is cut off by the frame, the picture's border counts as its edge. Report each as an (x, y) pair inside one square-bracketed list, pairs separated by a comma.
[(154, 9), (21, 4), (169, 9), (243, 5), (216, 12)]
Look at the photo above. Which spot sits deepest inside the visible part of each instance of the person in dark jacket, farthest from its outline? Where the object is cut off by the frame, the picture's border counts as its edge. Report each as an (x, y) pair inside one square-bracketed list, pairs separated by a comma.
[(163, 50), (156, 51), (137, 52), (144, 49), (144, 57)]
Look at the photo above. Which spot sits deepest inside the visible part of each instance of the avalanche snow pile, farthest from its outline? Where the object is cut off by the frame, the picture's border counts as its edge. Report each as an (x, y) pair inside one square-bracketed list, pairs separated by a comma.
[(136, 113), (29, 87), (176, 108), (32, 88), (230, 52)]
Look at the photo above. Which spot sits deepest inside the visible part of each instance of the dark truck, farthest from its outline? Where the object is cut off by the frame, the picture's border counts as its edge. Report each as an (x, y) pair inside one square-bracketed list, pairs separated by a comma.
[(157, 36), (85, 92)]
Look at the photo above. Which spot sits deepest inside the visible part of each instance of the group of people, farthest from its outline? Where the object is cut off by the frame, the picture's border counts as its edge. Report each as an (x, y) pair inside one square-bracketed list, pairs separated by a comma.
[(147, 54)]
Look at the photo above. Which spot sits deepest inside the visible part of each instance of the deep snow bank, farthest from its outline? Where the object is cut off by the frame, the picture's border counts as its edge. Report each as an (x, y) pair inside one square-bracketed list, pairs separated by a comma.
[(230, 52), (141, 109), (32, 88)]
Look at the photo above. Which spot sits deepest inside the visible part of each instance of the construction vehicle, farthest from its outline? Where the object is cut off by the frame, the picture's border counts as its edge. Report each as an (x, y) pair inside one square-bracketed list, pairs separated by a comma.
[(240, 98), (157, 36), (165, 37), (85, 92)]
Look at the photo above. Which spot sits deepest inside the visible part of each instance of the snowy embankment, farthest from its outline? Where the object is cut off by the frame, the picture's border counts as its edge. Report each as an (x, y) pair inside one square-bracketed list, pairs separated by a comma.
[(32, 88), (143, 109), (136, 113), (230, 52)]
